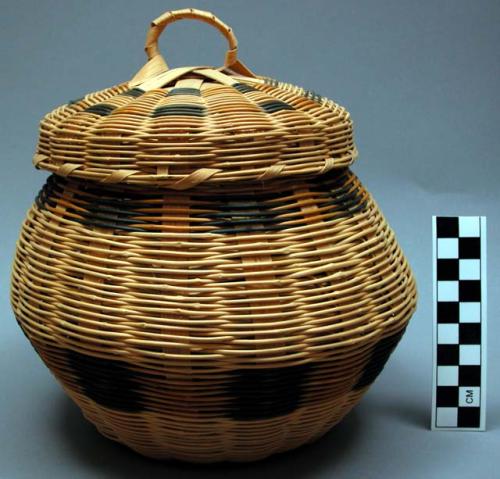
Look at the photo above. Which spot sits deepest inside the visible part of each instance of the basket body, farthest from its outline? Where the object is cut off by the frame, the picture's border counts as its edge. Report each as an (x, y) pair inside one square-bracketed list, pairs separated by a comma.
[(221, 323)]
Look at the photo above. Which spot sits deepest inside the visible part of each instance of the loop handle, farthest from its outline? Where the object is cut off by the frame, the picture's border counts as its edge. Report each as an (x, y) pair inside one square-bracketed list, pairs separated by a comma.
[(159, 24)]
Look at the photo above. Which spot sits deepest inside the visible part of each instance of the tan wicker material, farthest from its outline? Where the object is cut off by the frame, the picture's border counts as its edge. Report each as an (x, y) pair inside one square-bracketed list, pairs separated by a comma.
[(207, 288), (182, 127)]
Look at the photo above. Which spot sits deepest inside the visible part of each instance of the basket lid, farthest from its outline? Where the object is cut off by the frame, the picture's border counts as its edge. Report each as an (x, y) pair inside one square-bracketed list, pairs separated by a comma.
[(180, 127)]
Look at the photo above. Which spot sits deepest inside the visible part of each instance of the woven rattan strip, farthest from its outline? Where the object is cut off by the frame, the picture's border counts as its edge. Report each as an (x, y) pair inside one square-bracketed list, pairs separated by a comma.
[(225, 312), (202, 272)]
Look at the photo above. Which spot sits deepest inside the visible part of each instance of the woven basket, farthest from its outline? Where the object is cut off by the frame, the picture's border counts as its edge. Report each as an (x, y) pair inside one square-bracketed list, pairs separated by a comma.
[(203, 273)]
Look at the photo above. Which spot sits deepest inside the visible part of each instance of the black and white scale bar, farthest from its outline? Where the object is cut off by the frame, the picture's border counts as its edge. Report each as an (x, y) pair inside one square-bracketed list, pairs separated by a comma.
[(459, 324)]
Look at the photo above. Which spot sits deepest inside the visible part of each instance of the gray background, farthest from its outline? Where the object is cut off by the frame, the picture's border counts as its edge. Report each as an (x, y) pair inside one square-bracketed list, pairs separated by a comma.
[(420, 79)]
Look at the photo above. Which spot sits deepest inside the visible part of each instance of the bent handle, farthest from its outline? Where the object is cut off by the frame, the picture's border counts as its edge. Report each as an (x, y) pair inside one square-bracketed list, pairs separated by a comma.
[(159, 24)]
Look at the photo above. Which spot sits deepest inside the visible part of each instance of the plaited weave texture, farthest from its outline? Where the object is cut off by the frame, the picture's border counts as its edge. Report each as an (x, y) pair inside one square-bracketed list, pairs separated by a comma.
[(251, 318), (202, 272)]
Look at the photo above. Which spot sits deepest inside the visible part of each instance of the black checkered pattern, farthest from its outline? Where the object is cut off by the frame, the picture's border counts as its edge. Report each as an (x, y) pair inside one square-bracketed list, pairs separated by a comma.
[(458, 353)]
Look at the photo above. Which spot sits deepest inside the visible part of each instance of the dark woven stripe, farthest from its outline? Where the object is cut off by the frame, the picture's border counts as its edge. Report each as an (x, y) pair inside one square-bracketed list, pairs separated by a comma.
[(178, 110), (254, 221), (110, 383), (124, 209), (312, 95), (243, 87), (184, 91), (134, 92), (340, 193), (243, 214), (53, 186), (101, 109), (109, 225), (338, 176), (117, 214), (379, 356), (274, 106), (76, 100), (347, 202), (266, 393), (104, 221), (271, 81), (253, 394), (233, 226)]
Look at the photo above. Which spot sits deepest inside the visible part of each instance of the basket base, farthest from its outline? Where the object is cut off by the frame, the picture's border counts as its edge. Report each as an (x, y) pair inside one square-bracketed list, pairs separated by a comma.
[(264, 439)]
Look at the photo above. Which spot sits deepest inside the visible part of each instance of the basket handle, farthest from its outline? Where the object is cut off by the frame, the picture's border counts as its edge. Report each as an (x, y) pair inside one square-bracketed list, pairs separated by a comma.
[(159, 24)]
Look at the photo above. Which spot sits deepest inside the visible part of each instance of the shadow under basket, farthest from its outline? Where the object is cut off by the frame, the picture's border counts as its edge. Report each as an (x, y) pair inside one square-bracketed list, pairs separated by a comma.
[(196, 306)]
